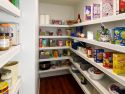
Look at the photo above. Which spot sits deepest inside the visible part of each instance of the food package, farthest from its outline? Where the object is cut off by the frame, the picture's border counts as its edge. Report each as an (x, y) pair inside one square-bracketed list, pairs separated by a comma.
[(119, 63)]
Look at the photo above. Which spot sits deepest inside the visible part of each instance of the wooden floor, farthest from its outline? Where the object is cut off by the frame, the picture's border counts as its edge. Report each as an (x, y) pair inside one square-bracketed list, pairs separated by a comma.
[(59, 85)]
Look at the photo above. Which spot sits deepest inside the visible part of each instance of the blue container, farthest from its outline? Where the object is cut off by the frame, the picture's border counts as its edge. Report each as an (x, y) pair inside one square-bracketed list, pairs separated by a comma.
[(98, 55)]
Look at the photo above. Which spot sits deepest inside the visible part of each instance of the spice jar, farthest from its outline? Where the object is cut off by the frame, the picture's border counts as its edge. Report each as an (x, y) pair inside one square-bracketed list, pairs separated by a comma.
[(60, 43), (59, 32), (89, 52), (4, 41), (55, 54), (68, 32)]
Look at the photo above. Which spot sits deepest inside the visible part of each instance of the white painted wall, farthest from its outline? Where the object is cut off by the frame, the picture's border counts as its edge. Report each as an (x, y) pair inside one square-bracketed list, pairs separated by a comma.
[(61, 12), (79, 8), (29, 41)]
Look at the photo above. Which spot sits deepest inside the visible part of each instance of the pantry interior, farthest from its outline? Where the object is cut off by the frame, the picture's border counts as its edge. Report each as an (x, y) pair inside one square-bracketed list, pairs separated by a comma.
[(46, 38), (84, 34)]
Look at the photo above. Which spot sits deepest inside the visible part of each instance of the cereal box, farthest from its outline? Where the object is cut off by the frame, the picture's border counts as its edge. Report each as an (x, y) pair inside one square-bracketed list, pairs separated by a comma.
[(98, 55), (107, 8), (119, 63), (96, 11)]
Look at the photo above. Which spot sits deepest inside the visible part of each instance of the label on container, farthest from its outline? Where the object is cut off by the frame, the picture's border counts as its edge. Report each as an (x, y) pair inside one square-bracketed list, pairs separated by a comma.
[(4, 43)]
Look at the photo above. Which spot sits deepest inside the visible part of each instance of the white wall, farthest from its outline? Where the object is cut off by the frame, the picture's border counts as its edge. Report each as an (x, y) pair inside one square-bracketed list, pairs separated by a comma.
[(29, 42), (60, 12), (79, 8)]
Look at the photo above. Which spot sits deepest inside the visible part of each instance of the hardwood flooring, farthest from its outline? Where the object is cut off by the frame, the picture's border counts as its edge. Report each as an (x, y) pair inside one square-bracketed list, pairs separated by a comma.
[(65, 84)]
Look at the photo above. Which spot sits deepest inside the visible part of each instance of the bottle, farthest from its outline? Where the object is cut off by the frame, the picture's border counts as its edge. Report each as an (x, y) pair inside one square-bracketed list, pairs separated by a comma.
[(79, 19)]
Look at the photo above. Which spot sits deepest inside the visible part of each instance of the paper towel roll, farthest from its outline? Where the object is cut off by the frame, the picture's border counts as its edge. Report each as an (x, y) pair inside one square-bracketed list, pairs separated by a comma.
[(47, 19), (42, 20)]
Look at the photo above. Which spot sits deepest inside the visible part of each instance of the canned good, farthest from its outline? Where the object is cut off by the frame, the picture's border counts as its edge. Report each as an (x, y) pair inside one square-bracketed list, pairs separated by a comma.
[(98, 55), (89, 52), (60, 43), (68, 43), (107, 60)]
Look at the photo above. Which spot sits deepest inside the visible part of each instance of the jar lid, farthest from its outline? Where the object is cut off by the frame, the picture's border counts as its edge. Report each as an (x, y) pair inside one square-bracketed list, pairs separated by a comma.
[(6, 34)]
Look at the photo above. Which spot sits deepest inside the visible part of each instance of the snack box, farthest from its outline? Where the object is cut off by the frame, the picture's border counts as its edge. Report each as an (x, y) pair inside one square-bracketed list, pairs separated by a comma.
[(119, 63), (98, 55), (107, 59), (119, 34)]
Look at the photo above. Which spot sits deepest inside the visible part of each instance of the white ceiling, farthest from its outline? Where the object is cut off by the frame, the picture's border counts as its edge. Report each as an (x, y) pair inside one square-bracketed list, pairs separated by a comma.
[(61, 2)]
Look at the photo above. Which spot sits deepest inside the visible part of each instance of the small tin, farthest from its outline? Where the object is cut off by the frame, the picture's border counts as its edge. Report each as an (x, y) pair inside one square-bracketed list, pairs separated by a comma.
[(107, 60), (98, 55)]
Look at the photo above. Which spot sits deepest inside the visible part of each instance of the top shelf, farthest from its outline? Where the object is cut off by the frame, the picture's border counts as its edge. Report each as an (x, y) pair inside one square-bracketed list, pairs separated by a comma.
[(92, 22), (102, 20), (51, 25), (9, 8)]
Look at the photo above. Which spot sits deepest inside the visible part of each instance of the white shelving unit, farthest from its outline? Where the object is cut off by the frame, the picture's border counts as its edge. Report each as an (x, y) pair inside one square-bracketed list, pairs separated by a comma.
[(100, 85), (52, 48), (97, 21), (107, 45), (5, 56), (54, 59), (54, 37), (14, 89), (8, 7), (54, 70), (118, 78), (102, 20), (86, 88)]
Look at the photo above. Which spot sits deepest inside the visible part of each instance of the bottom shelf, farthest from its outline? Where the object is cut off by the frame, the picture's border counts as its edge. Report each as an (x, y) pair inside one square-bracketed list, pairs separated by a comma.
[(100, 85), (86, 88), (54, 70), (14, 89)]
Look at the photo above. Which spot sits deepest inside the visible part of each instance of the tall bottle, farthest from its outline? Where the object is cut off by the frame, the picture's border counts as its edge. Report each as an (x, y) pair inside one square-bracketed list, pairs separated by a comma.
[(79, 19)]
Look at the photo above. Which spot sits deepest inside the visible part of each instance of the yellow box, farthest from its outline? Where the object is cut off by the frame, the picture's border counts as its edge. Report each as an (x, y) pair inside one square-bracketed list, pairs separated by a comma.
[(4, 88), (119, 63)]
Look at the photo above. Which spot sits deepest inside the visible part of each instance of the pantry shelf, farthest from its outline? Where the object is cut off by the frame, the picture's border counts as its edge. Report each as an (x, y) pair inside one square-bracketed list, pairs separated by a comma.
[(54, 70), (107, 45), (55, 37), (102, 20), (50, 25), (86, 88), (53, 48), (100, 85), (5, 56), (8, 7), (54, 59), (14, 89), (118, 78)]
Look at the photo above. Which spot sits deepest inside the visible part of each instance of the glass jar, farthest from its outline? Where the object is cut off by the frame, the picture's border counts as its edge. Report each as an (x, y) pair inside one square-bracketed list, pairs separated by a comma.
[(4, 41), (5, 28)]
